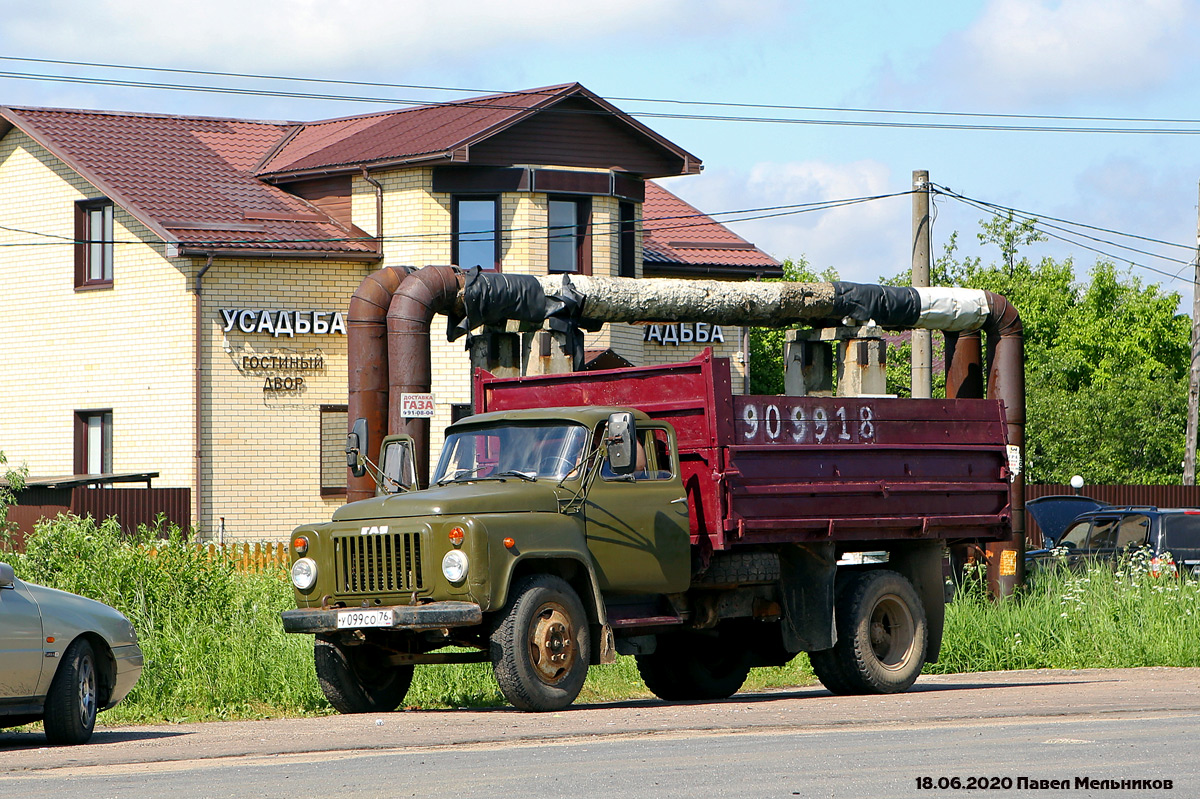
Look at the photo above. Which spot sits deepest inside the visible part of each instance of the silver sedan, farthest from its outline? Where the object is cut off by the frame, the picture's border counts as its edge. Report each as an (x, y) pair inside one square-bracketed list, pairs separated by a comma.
[(63, 658)]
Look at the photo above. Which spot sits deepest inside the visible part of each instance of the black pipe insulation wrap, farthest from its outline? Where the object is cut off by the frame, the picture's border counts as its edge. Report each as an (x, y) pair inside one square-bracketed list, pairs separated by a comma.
[(888, 306), (492, 298)]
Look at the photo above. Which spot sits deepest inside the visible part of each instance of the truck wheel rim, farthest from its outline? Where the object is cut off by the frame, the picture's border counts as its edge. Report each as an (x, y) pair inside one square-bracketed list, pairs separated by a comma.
[(892, 632), (87, 691), (552, 648)]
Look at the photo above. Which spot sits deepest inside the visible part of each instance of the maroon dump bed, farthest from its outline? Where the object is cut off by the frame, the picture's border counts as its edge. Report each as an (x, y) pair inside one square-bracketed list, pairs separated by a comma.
[(764, 469)]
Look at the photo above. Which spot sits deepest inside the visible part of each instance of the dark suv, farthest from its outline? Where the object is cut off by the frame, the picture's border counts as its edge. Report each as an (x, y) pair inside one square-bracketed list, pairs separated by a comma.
[(1106, 531)]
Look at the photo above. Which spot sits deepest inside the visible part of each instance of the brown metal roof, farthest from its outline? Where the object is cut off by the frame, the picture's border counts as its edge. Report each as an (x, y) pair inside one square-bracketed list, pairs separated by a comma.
[(424, 132), (189, 179), (679, 239), (444, 132), (206, 182)]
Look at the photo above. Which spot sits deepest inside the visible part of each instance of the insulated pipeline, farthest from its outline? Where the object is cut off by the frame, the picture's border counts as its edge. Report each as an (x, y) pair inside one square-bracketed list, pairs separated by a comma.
[(574, 300)]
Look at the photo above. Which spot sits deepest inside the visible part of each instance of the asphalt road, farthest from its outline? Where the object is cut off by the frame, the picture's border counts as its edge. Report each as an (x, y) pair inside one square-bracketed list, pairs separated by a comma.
[(1138, 724)]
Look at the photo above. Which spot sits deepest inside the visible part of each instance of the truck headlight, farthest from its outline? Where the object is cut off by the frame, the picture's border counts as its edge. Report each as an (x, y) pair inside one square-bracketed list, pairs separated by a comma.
[(304, 574), (454, 565)]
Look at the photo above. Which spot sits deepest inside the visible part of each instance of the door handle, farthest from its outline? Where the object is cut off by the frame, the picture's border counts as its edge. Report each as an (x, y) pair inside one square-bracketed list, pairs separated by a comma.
[(677, 501)]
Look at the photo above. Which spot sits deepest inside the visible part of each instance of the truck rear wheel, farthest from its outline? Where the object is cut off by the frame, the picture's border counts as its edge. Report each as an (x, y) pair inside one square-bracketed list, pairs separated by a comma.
[(358, 679), (541, 645), (881, 637), (691, 666)]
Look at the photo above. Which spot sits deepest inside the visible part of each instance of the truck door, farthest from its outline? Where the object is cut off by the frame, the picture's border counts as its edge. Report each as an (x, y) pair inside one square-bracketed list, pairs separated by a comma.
[(637, 524)]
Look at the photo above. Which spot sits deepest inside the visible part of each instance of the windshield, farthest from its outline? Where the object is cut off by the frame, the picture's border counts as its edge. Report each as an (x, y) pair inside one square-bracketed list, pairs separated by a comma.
[(529, 451)]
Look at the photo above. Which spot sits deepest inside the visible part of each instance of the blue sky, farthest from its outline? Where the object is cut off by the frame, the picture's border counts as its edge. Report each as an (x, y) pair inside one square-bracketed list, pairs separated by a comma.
[(1086, 58)]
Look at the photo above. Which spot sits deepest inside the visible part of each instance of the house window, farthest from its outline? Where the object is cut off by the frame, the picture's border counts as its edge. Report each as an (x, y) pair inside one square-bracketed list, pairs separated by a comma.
[(93, 244), (93, 442), (626, 241), (333, 449), (476, 232), (570, 242)]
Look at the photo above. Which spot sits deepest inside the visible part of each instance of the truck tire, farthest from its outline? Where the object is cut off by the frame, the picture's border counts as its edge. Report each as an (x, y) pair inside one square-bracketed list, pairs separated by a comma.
[(358, 679), (881, 637), (828, 668), (540, 645), (691, 666), (72, 701), (741, 568)]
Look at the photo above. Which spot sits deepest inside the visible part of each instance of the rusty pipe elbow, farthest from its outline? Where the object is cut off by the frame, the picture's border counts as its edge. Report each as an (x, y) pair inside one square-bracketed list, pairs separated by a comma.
[(367, 366), (422, 295)]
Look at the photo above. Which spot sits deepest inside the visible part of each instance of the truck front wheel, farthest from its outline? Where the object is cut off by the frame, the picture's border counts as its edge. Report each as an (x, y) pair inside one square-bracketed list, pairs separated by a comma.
[(540, 645), (881, 632), (695, 666), (359, 679)]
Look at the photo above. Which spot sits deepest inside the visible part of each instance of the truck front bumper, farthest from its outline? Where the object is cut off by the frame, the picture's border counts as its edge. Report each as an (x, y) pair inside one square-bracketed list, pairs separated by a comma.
[(404, 617)]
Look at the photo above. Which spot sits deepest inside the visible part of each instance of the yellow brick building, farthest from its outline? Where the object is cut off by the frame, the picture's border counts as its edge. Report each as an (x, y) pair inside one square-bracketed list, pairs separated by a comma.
[(174, 290)]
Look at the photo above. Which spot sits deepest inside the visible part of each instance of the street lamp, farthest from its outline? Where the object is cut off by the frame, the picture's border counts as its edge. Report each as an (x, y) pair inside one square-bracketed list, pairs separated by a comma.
[(1077, 483)]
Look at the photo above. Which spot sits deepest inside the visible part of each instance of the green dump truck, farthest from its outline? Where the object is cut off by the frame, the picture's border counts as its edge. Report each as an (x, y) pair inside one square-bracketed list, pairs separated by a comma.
[(651, 512)]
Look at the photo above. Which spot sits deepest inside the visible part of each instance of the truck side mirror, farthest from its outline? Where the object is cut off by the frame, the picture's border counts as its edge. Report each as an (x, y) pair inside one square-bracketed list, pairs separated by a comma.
[(621, 439), (8, 578), (356, 445), (397, 463)]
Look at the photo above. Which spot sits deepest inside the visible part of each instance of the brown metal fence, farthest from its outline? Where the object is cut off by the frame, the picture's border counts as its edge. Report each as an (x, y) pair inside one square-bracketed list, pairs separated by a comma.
[(131, 506), (134, 506)]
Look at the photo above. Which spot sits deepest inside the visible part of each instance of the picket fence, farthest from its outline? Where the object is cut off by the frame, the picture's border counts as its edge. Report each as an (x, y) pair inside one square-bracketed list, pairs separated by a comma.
[(246, 557)]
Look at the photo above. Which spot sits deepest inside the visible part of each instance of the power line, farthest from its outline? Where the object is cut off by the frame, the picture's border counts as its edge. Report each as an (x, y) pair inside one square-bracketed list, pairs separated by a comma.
[(649, 225), (1045, 229), (492, 106), (656, 100), (991, 208), (700, 219), (950, 193)]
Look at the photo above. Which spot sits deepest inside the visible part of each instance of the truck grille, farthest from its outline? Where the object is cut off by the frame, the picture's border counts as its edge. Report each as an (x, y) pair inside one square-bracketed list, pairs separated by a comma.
[(373, 564)]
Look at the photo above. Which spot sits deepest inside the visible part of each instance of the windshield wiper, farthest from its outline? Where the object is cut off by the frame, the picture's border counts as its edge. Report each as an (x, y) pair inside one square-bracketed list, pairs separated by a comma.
[(461, 473), (530, 477)]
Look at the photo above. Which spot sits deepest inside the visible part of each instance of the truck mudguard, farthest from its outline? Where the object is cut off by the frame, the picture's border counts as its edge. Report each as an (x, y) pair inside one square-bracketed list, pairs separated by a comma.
[(806, 585)]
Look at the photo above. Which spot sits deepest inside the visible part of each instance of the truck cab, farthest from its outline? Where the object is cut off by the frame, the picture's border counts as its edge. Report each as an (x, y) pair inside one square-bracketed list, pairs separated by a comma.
[(572, 503)]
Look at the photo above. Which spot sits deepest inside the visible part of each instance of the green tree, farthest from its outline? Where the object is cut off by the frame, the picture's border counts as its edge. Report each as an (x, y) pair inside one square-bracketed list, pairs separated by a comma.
[(1106, 358), (1009, 235), (1106, 361), (12, 480)]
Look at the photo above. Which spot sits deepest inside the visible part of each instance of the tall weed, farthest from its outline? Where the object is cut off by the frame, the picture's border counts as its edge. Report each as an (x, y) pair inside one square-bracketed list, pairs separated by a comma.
[(215, 646), (1098, 617)]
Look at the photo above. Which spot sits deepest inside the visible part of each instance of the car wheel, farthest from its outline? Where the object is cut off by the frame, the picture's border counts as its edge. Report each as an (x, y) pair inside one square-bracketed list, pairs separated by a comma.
[(71, 703), (541, 645)]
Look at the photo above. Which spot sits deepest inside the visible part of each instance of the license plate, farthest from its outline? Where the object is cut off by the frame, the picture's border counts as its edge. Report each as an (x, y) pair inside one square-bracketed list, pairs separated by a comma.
[(364, 618)]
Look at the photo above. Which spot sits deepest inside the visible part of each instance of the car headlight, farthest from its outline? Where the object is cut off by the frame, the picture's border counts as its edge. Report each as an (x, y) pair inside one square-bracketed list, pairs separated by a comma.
[(304, 574), (454, 565)]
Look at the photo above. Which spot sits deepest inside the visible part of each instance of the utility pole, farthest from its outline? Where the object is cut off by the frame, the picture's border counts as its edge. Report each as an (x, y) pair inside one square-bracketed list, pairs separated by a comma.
[(1189, 452), (922, 340)]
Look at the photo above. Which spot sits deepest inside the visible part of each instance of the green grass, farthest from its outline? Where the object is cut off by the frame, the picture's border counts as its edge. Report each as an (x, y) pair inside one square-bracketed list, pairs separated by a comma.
[(1102, 617), (215, 648)]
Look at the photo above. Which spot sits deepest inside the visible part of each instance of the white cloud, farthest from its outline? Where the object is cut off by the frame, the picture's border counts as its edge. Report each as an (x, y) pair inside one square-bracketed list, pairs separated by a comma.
[(316, 35), (862, 241), (1046, 51)]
